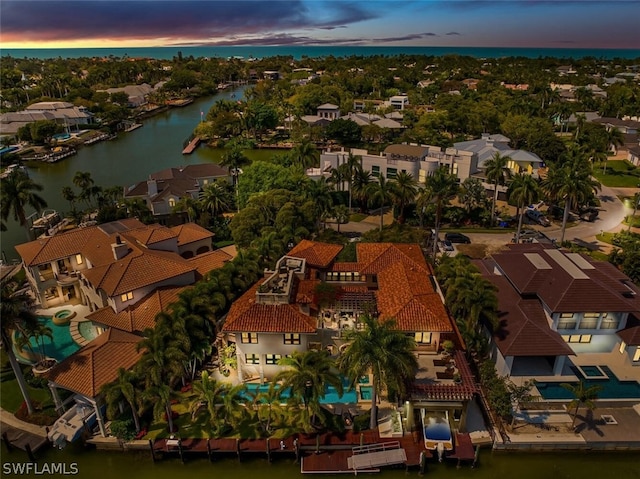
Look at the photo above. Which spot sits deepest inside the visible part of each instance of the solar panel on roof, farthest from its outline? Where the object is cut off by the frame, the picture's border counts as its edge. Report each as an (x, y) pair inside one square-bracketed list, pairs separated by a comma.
[(537, 261), (579, 260), (566, 264)]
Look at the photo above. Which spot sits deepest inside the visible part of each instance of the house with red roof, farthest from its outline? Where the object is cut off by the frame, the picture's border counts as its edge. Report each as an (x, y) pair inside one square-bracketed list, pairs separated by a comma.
[(311, 299), (556, 307)]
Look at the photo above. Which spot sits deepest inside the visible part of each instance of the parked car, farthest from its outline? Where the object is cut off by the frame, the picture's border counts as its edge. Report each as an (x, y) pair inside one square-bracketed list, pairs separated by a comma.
[(588, 214), (447, 245), (537, 217), (457, 238), (529, 234)]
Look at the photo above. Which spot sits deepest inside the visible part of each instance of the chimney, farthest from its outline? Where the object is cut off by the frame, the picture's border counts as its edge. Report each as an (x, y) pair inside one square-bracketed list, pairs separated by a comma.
[(152, 187), (119, 248)]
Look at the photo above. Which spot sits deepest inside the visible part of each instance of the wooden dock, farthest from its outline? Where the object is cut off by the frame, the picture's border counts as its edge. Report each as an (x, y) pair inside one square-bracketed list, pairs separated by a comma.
[(193, 144), (24, 440)]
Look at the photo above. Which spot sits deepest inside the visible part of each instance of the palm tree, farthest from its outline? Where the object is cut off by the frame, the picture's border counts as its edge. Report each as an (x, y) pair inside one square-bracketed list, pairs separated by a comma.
[(360, 183), (319, 192), (17, 315), (341, 215), (497, 172), (381, 193), (382, 350), (124, 387), (267, 405), (234, 159), (215, 198), (572, 182), (83, 180), (439, 189), (307, 374), (18, 192), (348, 169), (406, 189), (190, 206), (39, 331), (524, 190), (615, 138), (69, 195), (582, 395), (304, 154), (208, 396)]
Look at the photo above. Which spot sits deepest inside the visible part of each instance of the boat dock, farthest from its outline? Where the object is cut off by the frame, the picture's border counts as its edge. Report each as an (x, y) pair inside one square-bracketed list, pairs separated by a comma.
[(193, 144), (21, 439)]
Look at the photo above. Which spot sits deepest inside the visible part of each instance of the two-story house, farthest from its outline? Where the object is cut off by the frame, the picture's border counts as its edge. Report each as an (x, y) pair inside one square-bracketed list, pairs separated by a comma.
[(554, 306)]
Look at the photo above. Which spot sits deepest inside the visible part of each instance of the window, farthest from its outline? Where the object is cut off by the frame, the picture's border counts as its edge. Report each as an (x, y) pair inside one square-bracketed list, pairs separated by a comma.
[(251, 359), (375, 171), (79, 259), (609, 322), (392, 173), (567, 321), (126, 296), (172, 202), (249, 338), (423, 338), (623, 346), (292, 338), (577, 338), (636, 356), (272, 358), (589, 321)]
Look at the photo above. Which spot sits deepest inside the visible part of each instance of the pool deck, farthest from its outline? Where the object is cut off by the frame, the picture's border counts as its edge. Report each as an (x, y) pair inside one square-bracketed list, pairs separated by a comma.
[(80, 316)]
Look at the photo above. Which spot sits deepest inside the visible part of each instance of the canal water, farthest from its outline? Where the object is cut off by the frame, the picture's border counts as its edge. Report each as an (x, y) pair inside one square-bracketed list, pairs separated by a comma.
[(492, 465), (127, 160)]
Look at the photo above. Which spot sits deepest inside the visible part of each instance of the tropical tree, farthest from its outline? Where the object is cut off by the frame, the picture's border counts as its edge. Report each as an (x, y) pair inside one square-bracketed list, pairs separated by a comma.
[(497, 172), (583, 395), (83, 180), (268, 406), (348, 171), (18, 192), (234, 159), (38, 331), (123, 388), (523, 190), (69, 195), (307, 374), (319, 193), (439, 189), (382, 350), (472, 194), (615, 139), (405, 191), (572, 182), (215, 198), (208, 396), (304, 154), (381, 193), (17, 315), (189, 205), (360, 184)]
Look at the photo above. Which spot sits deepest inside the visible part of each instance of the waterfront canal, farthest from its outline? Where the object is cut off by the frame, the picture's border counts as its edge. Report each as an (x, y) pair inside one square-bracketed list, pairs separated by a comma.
[(127, 160), (492, 465)]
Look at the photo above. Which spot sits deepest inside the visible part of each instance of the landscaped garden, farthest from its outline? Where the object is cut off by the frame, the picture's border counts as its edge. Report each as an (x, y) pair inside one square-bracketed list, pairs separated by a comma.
[(618, 174)]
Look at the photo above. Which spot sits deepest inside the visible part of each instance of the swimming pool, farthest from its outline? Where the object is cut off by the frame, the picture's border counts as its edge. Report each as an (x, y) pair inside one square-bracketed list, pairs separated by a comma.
[(330, 393), (87, 330), (612, 387), (61, 136), (62, 345)]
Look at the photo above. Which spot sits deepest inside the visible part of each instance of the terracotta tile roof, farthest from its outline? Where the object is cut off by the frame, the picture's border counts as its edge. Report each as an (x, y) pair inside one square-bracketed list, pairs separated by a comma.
[(141, 315), (448, 392), (318, 255), (139, 268), (376, 256), (97, 363), (630, 335), (207, 262), (52, 248), (566, 282), (246, 315), (524, 329), (151, 234), (190, 233), (306, 291)]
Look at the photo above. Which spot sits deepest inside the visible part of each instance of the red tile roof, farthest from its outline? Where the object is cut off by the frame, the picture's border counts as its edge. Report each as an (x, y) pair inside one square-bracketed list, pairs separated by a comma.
[(631, 336), (139, 316), (97, 363), (190, 233), (246, 315), (207, 262), (318, 255)]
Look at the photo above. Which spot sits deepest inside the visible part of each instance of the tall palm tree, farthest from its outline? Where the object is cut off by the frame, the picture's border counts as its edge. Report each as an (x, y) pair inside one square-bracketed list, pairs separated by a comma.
[(307, 374), (349, 169), (439, 189), (406, 189), (304, 154), (189, 205), (39, 331), (582, 395), (360, 184), (572, 182), (69, 195), (123, 388), (83, 180), (17, 315), (524, 190), (208, 395), (385, 352), (497, 172), (381, 193), (215, 198), (234, 159), (18, 192), (615, 138), (319, 192)]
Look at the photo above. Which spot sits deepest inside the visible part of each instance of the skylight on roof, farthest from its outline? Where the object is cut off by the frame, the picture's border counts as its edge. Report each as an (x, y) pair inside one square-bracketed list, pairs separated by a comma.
[(537, 261)]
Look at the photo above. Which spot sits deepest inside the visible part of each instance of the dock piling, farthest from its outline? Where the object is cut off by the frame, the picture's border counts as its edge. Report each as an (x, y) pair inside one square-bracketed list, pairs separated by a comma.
[(6, 441), (27, 448), (153, 455)]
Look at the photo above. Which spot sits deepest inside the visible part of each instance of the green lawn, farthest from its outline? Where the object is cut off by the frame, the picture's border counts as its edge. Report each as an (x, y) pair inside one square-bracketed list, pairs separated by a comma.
[(620, 173), (11, 397), (605, 237), (357, 217)]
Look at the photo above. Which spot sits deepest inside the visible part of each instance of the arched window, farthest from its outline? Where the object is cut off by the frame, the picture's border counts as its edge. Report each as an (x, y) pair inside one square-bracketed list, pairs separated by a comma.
[(172, 202)]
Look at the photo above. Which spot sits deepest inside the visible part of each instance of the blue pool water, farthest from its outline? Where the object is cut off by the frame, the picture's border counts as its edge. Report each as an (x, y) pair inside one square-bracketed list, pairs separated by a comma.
[(62, 345), (87, 330), (366, 392), (330, 393), (61, 136), (437, 429), (612, 388)]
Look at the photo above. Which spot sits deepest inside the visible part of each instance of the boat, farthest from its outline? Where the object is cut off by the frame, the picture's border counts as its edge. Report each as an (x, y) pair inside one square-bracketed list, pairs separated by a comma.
[(135, 126), (437, 431), (48, 219), (11, 168), (69, 427)]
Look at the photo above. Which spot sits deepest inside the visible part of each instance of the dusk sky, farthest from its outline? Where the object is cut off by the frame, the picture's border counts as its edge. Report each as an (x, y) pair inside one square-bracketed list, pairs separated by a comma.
[(139, 23)]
